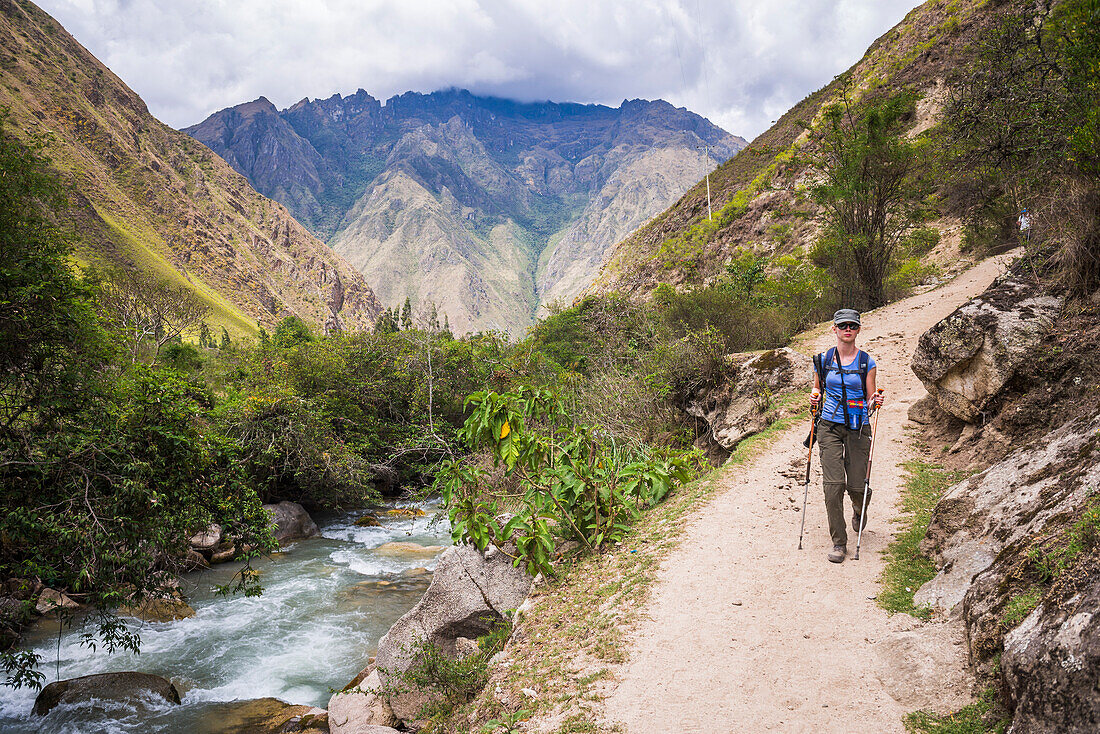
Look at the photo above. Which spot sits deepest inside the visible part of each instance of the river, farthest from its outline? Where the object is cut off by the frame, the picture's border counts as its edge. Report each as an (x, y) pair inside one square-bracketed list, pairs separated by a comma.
[(326, 602)]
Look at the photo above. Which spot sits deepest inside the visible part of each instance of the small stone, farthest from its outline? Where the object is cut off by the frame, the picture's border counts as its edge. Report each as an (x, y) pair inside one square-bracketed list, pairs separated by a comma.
[(807, 636), (530, 692), (736, 603)]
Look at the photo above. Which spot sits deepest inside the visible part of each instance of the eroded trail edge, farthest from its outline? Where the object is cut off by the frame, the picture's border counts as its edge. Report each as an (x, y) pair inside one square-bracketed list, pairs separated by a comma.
[(742, 631)]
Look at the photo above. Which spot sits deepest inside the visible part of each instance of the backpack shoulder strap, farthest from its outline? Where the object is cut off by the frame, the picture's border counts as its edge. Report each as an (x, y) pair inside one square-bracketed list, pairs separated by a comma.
[(864, 361)]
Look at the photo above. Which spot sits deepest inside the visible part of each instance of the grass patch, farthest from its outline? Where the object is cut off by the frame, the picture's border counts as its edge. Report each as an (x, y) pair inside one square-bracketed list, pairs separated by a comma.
[(972, 719), (906, 568), (1020, 606)]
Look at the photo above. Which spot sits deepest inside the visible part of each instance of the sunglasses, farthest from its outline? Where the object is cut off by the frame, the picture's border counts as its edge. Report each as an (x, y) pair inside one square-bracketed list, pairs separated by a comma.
[(848, 327)]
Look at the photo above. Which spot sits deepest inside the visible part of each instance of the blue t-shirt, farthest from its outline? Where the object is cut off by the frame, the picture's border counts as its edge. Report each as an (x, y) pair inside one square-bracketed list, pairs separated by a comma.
[(833, 408)]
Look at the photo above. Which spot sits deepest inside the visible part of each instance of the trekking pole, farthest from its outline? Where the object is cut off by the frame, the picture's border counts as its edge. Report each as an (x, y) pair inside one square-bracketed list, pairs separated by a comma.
[(806, 484), (867, 482)]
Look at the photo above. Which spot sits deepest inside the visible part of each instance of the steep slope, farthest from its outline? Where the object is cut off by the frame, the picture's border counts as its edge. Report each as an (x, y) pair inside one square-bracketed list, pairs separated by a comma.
[(757, 198), (489, 208), (144, 195)]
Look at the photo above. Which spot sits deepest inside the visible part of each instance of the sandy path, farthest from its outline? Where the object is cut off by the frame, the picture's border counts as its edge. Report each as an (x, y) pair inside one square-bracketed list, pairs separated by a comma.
[(744, 632)]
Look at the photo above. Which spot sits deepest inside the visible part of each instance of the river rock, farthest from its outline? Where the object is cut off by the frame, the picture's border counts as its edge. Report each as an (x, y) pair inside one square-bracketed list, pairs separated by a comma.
[(471, 592), (112, 686), (51, 600), (967, 358), (14, 613), (403, 549), (359, 706), (225, 553), (1051, 665), (738, 408), (369, 520), (206, 541), (290, 521), (261, 716), (193, 560), (159, 609)]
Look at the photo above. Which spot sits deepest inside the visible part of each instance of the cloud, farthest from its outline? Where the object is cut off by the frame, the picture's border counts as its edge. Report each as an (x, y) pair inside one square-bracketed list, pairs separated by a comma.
[(740, 63)]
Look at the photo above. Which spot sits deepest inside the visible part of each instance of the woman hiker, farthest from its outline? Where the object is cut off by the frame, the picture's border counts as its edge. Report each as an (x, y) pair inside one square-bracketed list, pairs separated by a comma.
[(846, 375)]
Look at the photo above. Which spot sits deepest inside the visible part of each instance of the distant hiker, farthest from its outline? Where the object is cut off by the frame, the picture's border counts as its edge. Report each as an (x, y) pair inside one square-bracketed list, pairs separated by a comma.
[(847, 374), (1024, 224)]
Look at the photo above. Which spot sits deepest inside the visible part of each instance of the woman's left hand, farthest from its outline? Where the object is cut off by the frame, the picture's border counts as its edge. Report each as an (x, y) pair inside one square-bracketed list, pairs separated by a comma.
[(877, 400)]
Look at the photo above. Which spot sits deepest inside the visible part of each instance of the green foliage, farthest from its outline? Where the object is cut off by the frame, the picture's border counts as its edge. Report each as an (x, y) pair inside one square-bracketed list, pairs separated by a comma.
[(314, 420), (1025, 132), (867, 194), (107, 468), (972, 719), (906, 568), (104, 507), (1020, 606), (290, 332), (182, 356), (507, 723), (1053, 558), (447, 681), (572, 481), (50, 340)]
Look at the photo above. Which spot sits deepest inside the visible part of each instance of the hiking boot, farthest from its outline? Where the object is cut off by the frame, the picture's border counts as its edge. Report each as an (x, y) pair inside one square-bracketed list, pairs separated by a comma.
[(836, 555), (855, 523)]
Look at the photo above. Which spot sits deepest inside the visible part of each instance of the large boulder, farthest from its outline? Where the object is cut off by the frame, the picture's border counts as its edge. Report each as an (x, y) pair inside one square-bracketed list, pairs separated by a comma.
[(967, 358), (1051, 664), (260, 716), (110, 686), (206, 541), (738, 408), (290, 521), (52, 600), (158, 609), (471, 592), (1003, 508), (357, 708), (405, 549)]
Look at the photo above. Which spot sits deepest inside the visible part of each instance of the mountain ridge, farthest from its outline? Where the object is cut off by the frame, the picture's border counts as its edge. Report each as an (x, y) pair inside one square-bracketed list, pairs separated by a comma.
[(146, 196), (489, 208)]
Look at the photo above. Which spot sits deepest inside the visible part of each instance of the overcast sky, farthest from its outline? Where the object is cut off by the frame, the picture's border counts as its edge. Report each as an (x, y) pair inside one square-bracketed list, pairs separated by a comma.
[(740, 63)]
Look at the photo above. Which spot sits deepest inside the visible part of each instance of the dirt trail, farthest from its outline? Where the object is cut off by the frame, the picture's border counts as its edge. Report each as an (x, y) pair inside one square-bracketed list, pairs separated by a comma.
[(745, 633)]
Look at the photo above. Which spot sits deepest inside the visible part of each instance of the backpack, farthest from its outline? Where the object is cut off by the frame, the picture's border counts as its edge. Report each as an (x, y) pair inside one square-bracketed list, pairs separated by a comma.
[(821, 366)]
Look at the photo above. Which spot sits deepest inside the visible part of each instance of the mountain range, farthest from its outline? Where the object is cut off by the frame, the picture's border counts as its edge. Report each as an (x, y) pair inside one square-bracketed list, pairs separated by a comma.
[(490, 209)]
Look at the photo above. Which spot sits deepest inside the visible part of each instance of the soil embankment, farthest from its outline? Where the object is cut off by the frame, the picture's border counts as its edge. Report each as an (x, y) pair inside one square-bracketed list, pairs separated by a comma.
[(743, 632)]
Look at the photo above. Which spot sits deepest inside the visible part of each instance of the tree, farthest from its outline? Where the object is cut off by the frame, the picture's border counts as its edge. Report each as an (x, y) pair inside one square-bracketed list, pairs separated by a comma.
[(144, 307), (1024, 121), (50, 340), (206, 340), (224, 344), (866, 192), (406, 314), (290, 332)]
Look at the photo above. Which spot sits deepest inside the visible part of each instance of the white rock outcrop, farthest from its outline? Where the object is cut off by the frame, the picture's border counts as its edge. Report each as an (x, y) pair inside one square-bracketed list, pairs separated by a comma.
[(967, 358), (471, 592)]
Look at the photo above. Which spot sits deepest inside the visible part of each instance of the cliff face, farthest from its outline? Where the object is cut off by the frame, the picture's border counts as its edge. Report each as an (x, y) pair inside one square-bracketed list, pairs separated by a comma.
[(489, 208), (144, 195)]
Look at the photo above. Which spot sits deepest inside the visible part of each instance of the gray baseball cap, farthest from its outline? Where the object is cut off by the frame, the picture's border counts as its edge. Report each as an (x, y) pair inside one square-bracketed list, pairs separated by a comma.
[(846, 316)]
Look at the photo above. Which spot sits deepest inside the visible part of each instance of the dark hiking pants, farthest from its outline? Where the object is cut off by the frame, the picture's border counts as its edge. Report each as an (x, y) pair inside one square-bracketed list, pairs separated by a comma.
[(843, 466)]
